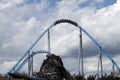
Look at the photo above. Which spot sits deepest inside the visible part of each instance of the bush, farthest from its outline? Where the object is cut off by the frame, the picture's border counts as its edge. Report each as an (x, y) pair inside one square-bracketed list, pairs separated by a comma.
[(80, 77), (93, 77)]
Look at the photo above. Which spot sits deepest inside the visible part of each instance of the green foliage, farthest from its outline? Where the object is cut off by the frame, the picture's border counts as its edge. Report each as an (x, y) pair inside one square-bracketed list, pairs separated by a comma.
[(93, 77), (108, 77), (79, 77)]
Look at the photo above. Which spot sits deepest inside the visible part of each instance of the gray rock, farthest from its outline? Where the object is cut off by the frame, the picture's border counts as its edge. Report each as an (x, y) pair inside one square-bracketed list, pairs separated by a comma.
[(54, 66)]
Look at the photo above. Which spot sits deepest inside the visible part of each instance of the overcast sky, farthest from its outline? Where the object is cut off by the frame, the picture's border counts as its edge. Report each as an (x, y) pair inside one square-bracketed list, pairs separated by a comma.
[(22, 21)]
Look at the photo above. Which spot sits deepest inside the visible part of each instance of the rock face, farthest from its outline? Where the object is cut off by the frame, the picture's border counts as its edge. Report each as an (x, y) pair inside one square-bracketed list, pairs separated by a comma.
[(54, 66)]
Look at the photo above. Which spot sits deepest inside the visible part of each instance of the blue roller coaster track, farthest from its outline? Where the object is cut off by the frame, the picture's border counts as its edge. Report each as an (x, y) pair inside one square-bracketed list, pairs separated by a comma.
[(17, 67)]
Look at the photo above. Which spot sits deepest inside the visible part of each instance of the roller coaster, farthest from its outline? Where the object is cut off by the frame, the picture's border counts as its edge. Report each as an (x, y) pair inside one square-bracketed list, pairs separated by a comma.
[(28, 55)]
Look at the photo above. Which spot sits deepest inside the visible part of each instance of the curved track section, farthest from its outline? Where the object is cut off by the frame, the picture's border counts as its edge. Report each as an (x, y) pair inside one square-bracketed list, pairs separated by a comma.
[(28, 58)]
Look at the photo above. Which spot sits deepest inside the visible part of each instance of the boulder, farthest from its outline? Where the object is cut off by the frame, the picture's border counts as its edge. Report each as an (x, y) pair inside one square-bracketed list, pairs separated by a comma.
[(54, 66)]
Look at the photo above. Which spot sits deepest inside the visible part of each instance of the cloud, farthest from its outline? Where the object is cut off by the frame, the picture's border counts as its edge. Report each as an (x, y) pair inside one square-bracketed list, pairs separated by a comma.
[(11, 3), (4, 66), (21, 25)]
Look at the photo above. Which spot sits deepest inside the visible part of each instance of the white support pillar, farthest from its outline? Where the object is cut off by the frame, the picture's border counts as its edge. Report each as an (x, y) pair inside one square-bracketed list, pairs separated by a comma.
[(81, 53), (29, 63), (80, 56), (30, 66), (79, 61), (100, 65), (49, 48)]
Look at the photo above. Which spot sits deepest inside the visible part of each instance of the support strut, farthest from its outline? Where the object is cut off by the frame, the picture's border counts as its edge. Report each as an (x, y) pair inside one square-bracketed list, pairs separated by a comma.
[(100, 65), (49, 48), (81, 53), (80, 56)]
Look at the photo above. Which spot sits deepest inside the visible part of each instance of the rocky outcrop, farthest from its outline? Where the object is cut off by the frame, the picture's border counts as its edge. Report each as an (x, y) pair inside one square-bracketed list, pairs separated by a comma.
[(54, 66)]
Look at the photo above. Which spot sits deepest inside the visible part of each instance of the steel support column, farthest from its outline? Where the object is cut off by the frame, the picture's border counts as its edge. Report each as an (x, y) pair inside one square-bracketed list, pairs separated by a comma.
[(49, 48), (100, 65), (80, 56)]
